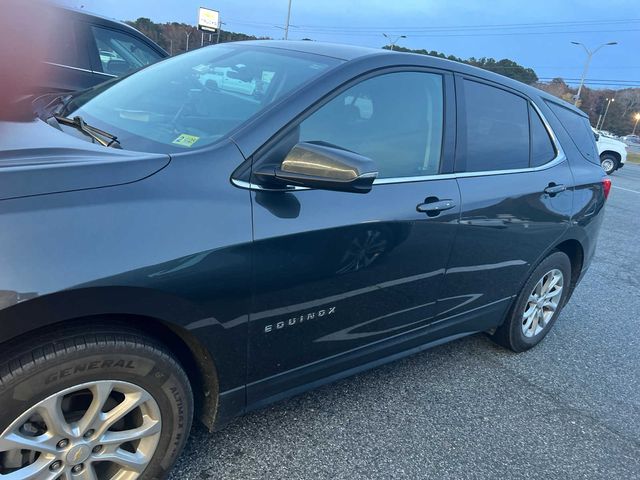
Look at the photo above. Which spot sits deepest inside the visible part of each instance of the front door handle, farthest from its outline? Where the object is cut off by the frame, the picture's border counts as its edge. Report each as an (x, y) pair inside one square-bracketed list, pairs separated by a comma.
[(553, 189), (432, 206)]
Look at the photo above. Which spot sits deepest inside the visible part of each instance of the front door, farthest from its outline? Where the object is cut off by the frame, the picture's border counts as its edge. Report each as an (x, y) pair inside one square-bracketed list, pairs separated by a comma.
[(343, 278)]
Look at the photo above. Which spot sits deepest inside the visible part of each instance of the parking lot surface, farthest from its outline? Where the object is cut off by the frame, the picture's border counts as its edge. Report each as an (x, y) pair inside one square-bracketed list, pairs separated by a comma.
[(569, 408)]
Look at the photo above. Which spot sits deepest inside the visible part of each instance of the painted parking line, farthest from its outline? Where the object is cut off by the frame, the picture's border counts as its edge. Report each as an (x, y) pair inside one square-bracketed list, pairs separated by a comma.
[(625, 189)]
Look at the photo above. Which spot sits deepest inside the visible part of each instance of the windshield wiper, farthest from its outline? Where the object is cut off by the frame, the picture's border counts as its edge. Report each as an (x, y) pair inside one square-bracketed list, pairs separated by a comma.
[(89, 130)]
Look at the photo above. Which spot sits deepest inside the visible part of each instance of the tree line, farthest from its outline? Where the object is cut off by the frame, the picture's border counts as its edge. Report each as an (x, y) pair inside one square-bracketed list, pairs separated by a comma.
[(173, 37)]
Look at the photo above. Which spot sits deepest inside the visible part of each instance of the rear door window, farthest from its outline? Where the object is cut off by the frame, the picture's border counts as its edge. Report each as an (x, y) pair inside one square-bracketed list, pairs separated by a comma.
[(542, 149), (493, 129), (579, 129)]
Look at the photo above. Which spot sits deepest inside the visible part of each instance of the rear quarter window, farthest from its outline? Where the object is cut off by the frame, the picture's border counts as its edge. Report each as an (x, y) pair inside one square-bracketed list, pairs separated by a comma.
[(579, 130)]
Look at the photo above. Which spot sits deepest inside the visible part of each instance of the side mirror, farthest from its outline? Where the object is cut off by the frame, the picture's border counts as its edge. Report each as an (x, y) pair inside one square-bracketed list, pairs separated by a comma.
[(597, 136), (319, 166)]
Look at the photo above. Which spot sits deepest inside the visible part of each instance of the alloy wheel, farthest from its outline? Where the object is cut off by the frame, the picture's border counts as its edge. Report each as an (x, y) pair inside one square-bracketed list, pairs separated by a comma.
[(98, 430), (542, 303), (608, 165)]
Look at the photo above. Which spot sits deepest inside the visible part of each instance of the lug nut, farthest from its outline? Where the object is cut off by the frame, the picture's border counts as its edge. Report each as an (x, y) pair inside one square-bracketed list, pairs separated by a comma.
[(89, 433), (64, 443), (77, 468), (97, 449), (55, 465)]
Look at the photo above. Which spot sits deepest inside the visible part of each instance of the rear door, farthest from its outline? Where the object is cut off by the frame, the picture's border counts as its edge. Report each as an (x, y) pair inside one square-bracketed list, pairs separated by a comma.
[(342, 279), (516, 188)]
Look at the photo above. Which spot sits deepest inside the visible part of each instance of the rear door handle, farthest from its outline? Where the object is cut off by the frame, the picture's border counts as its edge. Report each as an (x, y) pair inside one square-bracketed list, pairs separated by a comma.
[(433, 206), (553, 189)]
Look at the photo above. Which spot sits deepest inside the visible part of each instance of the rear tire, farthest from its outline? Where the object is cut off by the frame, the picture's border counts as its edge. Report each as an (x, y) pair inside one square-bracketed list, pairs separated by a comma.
[(108, 399), (538, 304), (609, 163)]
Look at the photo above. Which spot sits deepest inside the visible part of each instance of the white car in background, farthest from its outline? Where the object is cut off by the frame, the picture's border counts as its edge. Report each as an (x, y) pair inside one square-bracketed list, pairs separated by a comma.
[(613, 153)]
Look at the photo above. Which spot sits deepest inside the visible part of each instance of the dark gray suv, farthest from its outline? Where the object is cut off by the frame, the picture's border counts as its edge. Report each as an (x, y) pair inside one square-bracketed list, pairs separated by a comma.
[(241, 223)]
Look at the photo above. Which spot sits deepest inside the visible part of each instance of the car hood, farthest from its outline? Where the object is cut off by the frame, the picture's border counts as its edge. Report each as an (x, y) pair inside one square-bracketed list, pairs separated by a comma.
[(36, 159)]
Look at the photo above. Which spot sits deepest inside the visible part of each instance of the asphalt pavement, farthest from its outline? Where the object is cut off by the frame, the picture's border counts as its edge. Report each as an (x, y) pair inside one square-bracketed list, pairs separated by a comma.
[(569, 408)]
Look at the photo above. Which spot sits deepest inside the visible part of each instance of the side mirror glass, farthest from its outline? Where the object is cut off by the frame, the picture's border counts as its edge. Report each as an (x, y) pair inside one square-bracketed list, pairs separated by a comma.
[(319, 166)]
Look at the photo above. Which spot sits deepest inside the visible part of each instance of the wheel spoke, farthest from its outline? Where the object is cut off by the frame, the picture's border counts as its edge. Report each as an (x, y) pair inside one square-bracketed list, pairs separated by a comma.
[(537, 290), (528, 312), (527, 324), (554, 281), (51, 412), (553, 293), (534, 323), (15, 441), (149, 427), (546, 282), (101, 392), (130, 402), (135, 462)]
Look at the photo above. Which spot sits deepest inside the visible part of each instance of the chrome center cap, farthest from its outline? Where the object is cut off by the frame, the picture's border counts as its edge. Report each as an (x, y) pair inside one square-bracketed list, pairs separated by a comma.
[(78, 454)]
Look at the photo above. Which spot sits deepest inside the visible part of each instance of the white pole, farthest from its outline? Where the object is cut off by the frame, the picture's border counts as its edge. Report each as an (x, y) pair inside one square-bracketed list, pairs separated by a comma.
[(286, 27)]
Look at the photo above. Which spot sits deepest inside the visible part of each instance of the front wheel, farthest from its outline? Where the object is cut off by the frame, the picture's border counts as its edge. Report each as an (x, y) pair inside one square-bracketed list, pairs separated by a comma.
[(538, 304), (105, 405), (609, 164)]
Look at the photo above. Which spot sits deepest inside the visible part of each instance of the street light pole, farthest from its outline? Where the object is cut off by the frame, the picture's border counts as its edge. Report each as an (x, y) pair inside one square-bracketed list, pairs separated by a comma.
[(636, 124), (286, 27), (393, 43), (590, 54), (609, 100), (188, 34)]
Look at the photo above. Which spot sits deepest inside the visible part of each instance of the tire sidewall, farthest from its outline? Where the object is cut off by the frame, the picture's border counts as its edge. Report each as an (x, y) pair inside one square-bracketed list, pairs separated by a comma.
[(156, 373), (556, 260)]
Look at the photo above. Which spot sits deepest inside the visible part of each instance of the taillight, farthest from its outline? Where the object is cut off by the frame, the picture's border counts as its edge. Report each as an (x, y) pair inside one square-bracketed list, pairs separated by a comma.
[(606, 186)]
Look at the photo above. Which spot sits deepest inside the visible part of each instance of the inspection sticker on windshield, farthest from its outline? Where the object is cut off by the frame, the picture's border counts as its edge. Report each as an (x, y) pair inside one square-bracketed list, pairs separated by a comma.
[(185, 140)]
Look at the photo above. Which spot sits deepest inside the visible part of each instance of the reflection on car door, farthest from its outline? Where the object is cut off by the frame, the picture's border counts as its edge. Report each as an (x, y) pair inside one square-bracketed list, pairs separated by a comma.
[(516, 188), (343, 278)]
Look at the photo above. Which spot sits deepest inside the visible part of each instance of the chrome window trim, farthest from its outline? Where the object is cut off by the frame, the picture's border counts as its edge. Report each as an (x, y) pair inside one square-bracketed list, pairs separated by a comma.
[(558, 159), (80, 69)]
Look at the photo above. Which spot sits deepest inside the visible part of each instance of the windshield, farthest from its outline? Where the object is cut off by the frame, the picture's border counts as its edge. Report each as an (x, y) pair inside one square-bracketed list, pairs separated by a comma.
[(195, 99)]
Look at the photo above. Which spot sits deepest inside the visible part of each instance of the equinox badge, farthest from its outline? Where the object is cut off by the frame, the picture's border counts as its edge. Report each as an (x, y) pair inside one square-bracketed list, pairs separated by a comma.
[(298, 319)]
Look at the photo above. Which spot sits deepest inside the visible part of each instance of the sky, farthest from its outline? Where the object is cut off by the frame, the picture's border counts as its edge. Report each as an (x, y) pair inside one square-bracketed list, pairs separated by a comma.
[(536, 34)]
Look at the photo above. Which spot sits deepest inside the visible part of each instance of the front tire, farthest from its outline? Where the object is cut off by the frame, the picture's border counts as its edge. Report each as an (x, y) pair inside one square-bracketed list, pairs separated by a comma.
[(538, 304), (609, 163), (100, 405)]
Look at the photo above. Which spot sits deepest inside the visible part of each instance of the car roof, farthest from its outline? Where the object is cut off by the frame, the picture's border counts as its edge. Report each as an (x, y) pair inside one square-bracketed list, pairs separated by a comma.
[(352, 52), (335, 50)]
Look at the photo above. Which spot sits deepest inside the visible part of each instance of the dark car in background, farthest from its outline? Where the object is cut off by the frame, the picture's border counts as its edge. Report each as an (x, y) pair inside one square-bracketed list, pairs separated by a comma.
[(173, 246), (87, 49)]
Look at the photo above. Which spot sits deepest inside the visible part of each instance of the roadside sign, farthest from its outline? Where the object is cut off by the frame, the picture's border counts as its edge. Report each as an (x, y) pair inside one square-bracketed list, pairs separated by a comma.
[(208, 20)]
